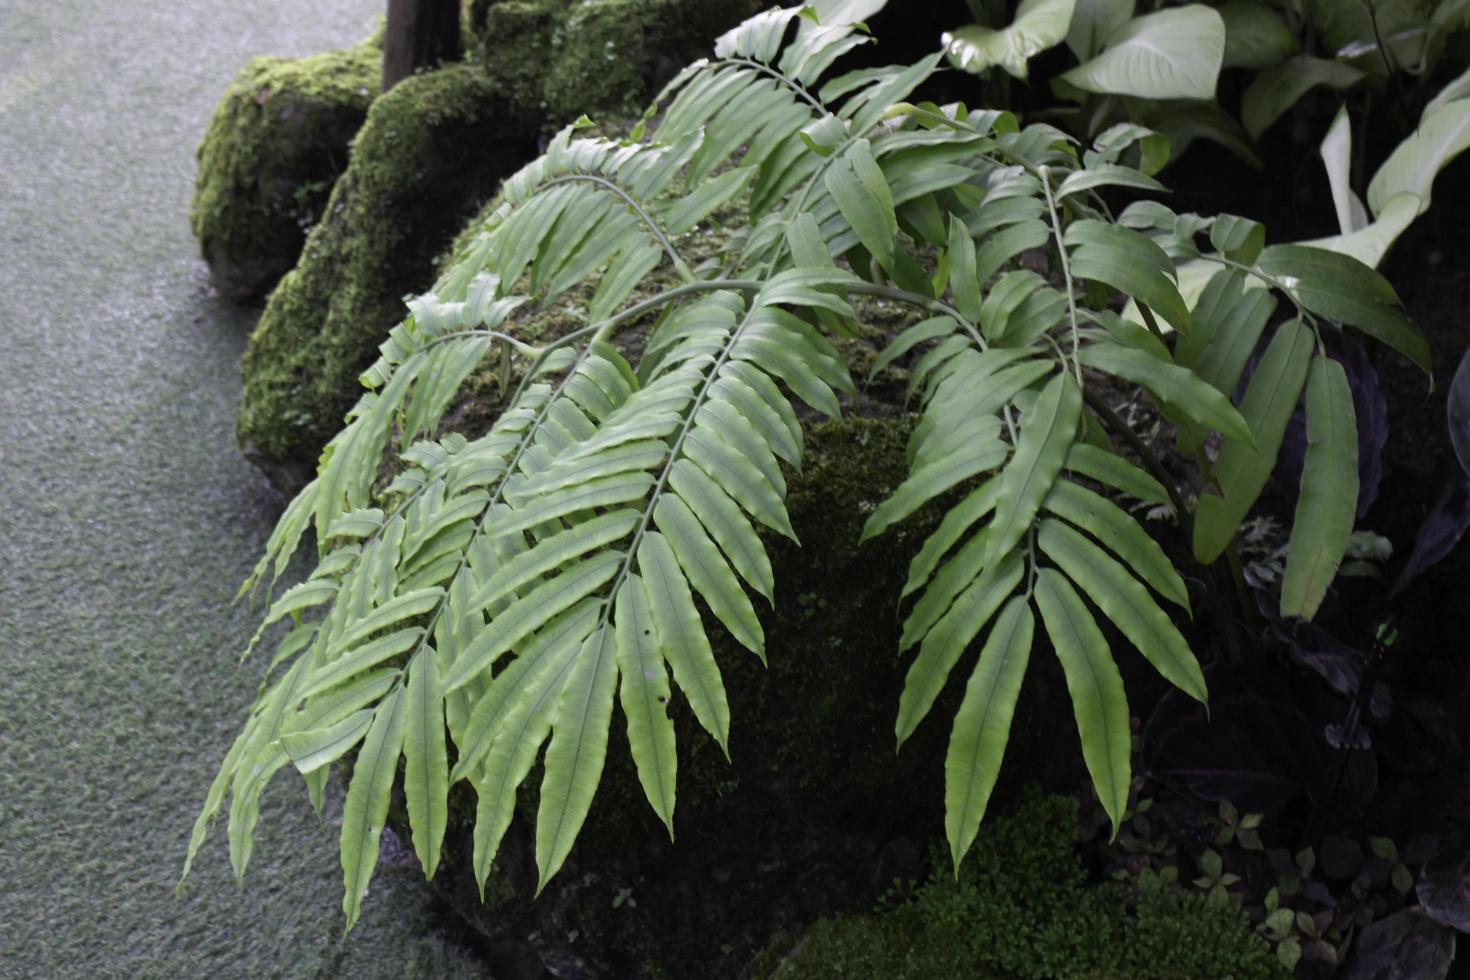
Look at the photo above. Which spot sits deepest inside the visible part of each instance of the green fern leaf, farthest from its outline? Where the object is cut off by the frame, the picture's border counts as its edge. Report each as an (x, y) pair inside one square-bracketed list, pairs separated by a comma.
[(982, 726), (1111, 525), (681, 637), (644, 694), (1127, 603), (1096, 688), (1329, 495), (949, 637), (726, 524), (366, 808), (1241, 471), (519, 736), (578, 748), (708, 572), (1177, 388), (1113, 471), (313, 749), (426, 761), (959, 519), (1047, 433)]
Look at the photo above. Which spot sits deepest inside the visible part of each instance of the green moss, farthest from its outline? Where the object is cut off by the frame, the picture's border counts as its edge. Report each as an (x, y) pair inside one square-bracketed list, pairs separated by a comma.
[(269, 158), (430, 152), (599, 57), (1022, 908)]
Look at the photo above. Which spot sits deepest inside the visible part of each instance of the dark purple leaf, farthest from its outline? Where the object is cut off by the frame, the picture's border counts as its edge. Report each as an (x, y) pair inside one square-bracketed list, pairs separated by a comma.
[(1441, 531), (1457, 408), (1405, 946), (1256, 748), (1444, 889), (1421, 848), (1340, 857), (1337, 663)]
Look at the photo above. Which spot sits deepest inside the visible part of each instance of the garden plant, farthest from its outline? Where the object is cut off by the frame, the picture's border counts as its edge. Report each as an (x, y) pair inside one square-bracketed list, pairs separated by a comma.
[(481, 595)]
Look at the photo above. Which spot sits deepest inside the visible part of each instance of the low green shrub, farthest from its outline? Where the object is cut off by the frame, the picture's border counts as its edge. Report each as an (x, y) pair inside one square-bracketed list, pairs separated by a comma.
[(1025, 909)]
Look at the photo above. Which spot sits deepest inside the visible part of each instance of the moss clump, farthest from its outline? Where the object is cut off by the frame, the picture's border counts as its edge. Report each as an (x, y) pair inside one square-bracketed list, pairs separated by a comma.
[(268, 161), (430, 152), (598, 57), (1022, 908)]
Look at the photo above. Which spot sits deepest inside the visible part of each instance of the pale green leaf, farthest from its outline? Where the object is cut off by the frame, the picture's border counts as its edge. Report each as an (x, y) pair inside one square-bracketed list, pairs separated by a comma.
[(1256, 35), (1443, 134), (1337, 155), (1038, 26), (1172, 54), (1093, 21)]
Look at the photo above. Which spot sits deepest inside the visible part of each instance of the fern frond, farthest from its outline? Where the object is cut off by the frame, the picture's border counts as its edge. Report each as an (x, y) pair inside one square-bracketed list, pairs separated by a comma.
[(502, 593), (697, 474)]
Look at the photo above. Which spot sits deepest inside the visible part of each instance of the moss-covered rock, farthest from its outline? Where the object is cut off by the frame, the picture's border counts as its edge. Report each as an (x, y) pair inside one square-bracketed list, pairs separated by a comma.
[(814, 811), (599, 57), (1022, 908), (268, 161), (431, 151)]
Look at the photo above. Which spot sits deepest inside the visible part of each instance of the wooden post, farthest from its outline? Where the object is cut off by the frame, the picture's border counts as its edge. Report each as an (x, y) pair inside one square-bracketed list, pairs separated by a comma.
[(419, 34)]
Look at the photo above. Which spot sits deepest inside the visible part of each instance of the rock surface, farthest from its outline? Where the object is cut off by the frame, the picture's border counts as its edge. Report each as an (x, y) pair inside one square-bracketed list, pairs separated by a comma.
[(598, 57), (431, 151), (267, 164)]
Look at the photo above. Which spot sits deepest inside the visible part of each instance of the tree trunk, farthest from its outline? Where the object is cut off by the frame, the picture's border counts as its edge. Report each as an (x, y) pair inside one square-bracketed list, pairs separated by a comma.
[(419, 34)]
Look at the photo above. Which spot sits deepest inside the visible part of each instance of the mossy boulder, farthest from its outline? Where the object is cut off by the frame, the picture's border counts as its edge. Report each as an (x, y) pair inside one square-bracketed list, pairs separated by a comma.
[(274, 148), (431, 151), (813, 812), (599, 57)]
